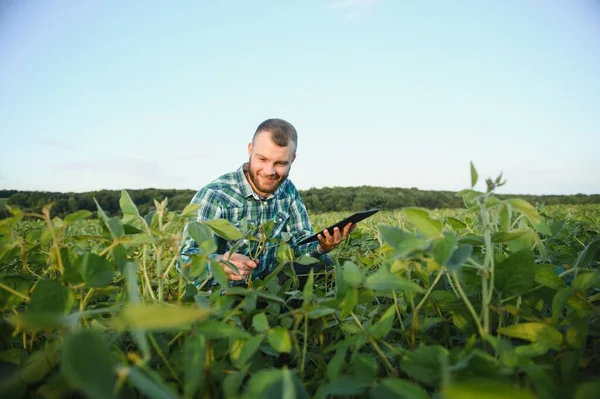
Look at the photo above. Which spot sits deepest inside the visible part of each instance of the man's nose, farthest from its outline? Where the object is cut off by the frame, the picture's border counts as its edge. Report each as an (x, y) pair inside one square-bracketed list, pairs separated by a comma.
[(270, 169)]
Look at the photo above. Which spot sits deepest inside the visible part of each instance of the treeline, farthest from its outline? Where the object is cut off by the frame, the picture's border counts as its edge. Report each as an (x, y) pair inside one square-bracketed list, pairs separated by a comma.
[(317, 200)]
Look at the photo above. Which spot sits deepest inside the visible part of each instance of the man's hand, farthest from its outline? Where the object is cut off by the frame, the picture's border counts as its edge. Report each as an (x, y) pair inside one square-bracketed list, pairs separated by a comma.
[(329, 241), (244, 264)]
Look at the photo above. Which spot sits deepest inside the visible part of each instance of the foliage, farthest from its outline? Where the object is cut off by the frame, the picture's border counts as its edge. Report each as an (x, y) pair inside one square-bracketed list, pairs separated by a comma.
[(317, 200), (497, 299)]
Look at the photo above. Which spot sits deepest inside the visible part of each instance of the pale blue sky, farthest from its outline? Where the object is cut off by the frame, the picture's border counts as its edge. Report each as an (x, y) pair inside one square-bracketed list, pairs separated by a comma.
[(404, 93)]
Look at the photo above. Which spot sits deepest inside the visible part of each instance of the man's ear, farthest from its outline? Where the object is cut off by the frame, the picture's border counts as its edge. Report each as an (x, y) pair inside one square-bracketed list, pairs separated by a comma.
[(293, 158), (249, 149)]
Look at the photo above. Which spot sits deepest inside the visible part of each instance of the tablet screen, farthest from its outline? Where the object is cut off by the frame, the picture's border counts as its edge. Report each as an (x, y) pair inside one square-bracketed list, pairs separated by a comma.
[(355, 218)]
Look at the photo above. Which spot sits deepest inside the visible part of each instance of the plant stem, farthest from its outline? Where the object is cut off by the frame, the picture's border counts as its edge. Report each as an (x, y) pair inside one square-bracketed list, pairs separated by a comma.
[(17, 293), (469, 305)]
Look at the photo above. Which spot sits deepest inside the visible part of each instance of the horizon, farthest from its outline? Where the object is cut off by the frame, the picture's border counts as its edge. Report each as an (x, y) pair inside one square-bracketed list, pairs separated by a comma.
[(101, 95)]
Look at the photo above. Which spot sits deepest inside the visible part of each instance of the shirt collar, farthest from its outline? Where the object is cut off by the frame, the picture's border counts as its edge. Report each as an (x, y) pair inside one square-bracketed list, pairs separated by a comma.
[(246, 188)]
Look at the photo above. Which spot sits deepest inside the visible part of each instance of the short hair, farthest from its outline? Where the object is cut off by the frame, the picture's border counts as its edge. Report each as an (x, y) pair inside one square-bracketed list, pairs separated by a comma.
[(282, 132)]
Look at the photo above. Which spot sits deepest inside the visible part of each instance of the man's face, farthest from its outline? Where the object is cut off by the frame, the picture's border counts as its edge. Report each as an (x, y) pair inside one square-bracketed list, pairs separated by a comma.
[(269, 164)]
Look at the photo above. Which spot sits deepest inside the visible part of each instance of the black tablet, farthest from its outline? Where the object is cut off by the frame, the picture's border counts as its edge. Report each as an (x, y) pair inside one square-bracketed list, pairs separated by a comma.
[(357, 217)]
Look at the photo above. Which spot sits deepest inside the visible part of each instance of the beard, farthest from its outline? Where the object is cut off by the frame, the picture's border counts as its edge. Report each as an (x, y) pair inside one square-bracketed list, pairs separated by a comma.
[(265, 184)]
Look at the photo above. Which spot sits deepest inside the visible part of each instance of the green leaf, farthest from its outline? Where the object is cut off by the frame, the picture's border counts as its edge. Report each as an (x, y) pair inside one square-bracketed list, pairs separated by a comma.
[(534, 332), (505, 217), (488, 388), (97, 272), (459, 257), (307, 292), (194, 358), (249, 349), (587, 255), (336, 363), (350, 301), (525, 208), (17, 282), (150, 387), (472, 239), (88, 365), (394, 388), (260, 322), (352, 275), (444, 247), (224, 229), (423, 364), (455, 223), (382, 280), (213, 329), (79, 215), (199, 232), (274, 384), (218, 273), (127, 205), (384, 324), (585, 281), (587, 390), (474, 175), (190, 210), (542, 383), (515, 275), (402, 241), (160, 316), (504, 236), (546, 276), (346, 386), (116, 227), (51, 296), (423, 221), (320, 312), (559, 301), (280, 340)]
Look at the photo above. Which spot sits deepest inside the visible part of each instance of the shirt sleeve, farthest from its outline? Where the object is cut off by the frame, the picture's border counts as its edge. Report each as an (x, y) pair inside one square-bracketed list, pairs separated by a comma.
[(300, 227)]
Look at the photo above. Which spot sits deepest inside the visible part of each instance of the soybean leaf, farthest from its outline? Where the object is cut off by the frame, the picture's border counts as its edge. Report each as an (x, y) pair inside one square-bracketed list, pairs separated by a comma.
[(535, 332), (459, 257), (87, 364), (423, 221), (546, 276), (190, 210), (260, 322), (51, 296), (127, 205), (394, 388), (249, 349), (224, 229), (474, 175), (423, 364), (160, 317), (382, 280), (525, 208), (194, 358), (97, 272), (488, 388), (444, 247), (587, 255), (346, 386), (585, 281), (352, 275), (280, 340), (559, 301), (505, 236), (79, 215), (383, 326), (515, 275), (151, 387)]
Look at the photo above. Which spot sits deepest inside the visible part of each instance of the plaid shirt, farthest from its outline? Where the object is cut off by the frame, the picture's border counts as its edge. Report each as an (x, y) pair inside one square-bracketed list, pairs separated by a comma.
[(231, 197)]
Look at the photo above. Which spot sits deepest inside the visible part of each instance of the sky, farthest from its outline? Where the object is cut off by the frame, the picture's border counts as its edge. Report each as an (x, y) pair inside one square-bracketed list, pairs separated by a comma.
[(394, 93)]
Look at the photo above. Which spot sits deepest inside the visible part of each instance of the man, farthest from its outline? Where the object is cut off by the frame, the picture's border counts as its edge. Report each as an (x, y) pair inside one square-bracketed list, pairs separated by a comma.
[(259, 191)]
